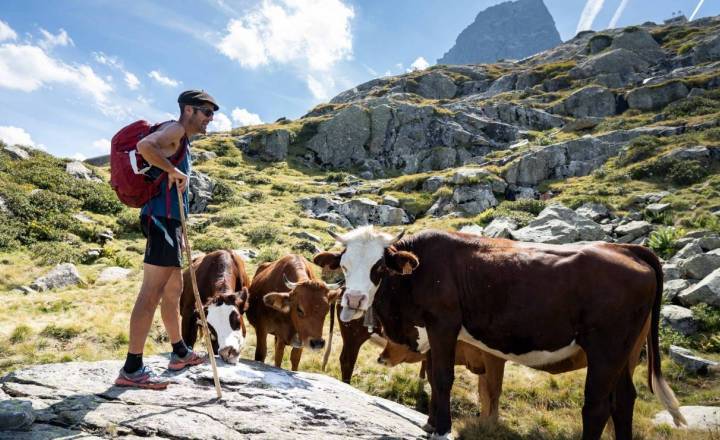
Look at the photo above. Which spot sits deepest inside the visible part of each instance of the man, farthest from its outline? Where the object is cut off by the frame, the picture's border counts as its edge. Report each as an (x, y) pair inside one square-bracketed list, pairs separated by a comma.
[(160, 221)]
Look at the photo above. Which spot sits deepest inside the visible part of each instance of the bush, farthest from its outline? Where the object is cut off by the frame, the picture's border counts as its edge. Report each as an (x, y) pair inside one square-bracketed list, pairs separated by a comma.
[(695, 106), (270, 253), (128, 221), (10, 232), (254, 196), (262, 234), (101, 199), (531, 206), (52, 253), (686, 172), (708, 317), (21, 333), (60, 333), (209, 244), (664, 241), (639, 149), (222, 192)]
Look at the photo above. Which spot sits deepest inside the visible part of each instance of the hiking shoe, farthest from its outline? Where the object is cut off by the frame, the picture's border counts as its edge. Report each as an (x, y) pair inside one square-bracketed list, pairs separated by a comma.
[(142, 378), (190, 359)]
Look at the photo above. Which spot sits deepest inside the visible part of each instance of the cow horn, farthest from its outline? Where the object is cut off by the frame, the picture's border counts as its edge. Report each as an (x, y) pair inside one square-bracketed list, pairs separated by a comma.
[(334, 235), (334, 286), (289, 284), (399, 236), (378, 340)]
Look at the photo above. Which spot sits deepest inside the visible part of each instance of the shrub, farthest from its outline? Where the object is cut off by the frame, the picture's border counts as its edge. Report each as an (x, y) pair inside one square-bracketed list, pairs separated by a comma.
[(270, 253), (712, 135), (262, 234), (664, 241), (686, 172), (222, 192), (128, 221), (52, 253), (531, 206), (230, 162), (708, 317), (695, 106), (209, 244), (10, 232), (522, 218), (639, 149), (100, 198), (254, 196)]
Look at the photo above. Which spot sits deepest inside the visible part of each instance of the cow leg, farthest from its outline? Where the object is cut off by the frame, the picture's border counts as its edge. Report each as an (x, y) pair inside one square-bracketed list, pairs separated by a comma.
[(295, 355), (622, 406), (279, 351), (189, 328), (490, 386), (260, 343), (442, 375), (602, 376), (349, 353), (430, 425)]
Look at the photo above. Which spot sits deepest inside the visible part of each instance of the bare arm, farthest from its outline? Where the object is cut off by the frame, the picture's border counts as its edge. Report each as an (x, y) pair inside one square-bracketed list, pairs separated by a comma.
[(161, 144)]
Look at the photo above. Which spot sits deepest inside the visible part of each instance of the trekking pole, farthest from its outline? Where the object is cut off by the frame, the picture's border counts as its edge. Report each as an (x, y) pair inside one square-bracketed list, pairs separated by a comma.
[(198, 301)]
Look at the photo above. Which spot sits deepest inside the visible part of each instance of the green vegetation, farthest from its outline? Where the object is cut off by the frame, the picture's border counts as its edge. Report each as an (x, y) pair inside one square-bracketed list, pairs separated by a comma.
[(664, 241)]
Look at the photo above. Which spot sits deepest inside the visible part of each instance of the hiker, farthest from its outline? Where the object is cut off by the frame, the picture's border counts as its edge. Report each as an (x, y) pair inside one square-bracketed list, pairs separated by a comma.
[(160, 221)]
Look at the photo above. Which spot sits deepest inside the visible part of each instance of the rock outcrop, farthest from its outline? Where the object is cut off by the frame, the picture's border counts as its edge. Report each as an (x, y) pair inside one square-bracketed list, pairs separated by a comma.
[(259, 401), (510, 30)]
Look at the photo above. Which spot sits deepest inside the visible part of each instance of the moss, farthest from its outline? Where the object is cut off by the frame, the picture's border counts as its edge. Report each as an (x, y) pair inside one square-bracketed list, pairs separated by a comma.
[(555, 69), (685, 48)]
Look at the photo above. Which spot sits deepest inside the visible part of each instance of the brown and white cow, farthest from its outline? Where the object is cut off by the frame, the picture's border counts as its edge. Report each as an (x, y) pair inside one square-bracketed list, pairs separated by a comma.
[(287, 300), (490, 368), (534, 304), (223, 287)]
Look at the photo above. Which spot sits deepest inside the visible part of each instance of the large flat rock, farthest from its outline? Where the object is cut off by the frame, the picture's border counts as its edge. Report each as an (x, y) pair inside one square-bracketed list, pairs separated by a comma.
[(259, 401)]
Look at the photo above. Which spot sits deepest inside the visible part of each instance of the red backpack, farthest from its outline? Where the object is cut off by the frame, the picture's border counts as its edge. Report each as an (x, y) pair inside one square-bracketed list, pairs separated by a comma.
[(128, 168)]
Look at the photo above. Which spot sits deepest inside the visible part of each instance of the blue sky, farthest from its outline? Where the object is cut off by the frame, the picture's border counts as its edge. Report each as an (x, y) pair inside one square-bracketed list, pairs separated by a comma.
[(73, 72)]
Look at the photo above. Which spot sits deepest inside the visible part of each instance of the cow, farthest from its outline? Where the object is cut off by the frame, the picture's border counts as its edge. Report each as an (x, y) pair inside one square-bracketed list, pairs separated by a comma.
[(535, 304), (490, 368), (287, 300), (223, 286)]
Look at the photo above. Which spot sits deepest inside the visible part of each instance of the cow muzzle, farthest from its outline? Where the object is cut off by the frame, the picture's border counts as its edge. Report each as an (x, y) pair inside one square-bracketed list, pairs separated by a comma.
[(229, 354), (354, 300), (317, 344), (381, 360)]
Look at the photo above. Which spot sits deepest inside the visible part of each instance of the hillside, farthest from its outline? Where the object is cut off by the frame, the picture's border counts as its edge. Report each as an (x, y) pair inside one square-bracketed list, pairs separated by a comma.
[(621, 127)]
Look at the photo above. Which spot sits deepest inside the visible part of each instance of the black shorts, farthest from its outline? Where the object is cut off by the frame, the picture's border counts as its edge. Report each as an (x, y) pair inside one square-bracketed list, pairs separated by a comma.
[(164, 241)]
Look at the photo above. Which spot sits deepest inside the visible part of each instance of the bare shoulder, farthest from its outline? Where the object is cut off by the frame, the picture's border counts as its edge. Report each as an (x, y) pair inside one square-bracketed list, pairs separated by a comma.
[(168, 137)]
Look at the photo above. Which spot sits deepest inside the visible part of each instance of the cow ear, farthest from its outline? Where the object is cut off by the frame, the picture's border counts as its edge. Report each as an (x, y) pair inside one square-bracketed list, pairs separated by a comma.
[(328, 260), (334, 294), (241, 299), (278, 300), (401, 262)]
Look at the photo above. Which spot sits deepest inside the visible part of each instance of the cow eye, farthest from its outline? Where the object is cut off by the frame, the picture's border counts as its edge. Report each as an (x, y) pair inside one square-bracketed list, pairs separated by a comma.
[(300, 311)]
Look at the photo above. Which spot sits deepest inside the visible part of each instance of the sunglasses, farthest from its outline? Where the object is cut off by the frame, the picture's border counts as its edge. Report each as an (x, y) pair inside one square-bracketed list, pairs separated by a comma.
[(206, 111)]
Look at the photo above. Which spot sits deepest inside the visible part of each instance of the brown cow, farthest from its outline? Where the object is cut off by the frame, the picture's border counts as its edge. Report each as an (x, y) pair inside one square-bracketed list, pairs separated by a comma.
[(534, 304), (490, 368), (223, 287), (287, 300)]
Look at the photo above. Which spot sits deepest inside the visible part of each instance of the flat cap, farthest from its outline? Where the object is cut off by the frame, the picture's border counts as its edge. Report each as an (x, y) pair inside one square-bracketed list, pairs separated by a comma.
[(197, 97)]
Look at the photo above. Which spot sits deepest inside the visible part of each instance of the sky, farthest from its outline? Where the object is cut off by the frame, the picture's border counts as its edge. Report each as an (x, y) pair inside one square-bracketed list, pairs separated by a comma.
[(73, 73)]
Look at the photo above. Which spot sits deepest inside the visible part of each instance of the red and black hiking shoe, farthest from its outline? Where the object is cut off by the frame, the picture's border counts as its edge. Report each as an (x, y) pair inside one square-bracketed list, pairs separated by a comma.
[(142, 378), (191, 358)]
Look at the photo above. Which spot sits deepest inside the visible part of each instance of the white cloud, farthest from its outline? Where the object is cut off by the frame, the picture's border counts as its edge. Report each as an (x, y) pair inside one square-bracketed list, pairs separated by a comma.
[(102, 145), (15, 136), (108, 60), (49, 40), (164, 80), (132, 81), (590, 11), (420, 63), (78, 156), (618, 13), (27, 68), (315, 33), (6, 32), (242, 117), (220, 122)]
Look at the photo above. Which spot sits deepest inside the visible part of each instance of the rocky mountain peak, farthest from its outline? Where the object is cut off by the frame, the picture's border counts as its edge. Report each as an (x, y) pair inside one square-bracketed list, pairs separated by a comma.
[(510, 30)]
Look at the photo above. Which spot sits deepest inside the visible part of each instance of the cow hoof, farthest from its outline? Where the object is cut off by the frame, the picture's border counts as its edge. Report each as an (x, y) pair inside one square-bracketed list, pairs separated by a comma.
[(447, 436), (428, 428)]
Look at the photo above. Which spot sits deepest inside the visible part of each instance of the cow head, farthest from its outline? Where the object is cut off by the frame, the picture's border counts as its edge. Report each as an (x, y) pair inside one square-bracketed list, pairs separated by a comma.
[(368, 256), (394, 353), (307, 303), (226, 325)]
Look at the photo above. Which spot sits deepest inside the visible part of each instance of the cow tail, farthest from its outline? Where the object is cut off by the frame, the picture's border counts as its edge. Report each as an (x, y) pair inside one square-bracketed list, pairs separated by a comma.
[(326, 356), (656, 381)]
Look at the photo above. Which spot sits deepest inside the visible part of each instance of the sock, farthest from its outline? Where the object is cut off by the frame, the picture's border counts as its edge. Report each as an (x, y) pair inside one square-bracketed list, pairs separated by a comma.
[(180, 349), (133, 362)]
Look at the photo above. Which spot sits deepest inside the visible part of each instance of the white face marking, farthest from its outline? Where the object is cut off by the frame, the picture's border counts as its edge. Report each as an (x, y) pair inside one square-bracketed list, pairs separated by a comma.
[(423, 343), (219, 318), (531, 359), (363, 248)]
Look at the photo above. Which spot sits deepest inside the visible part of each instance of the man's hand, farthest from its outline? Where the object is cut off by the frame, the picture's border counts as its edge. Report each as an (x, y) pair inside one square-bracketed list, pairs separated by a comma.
[(177, 177)]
